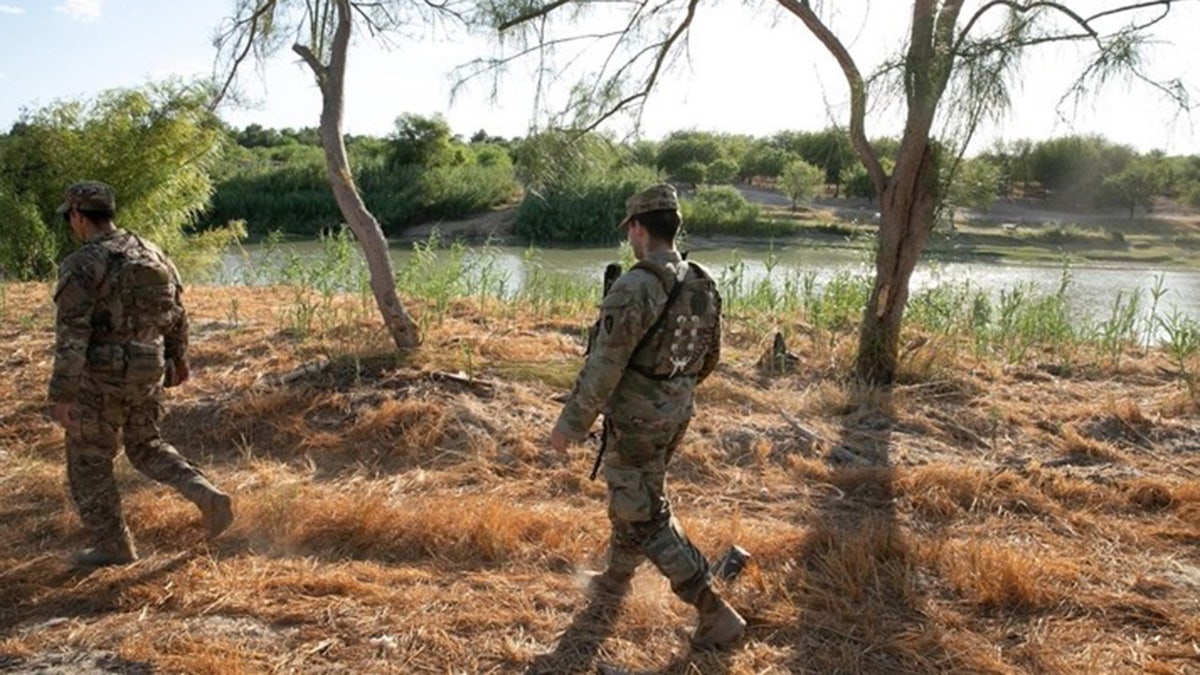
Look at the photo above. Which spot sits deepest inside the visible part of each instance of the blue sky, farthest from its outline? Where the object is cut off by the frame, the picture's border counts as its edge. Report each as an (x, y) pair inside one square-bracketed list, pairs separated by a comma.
[(748, 72)]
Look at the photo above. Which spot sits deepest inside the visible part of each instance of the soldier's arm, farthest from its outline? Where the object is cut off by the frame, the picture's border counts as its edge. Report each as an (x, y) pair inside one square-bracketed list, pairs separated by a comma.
[(175, 338), (625, 314), (74, 300)]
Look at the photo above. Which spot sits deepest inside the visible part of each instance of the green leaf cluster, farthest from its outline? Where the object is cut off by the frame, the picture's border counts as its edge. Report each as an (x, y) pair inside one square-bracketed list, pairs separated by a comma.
[(155, 145), (575, 188)]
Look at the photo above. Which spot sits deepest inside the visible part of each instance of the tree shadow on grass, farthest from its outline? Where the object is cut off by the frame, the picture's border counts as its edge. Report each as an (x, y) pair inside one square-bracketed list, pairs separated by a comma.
[(859, 595)]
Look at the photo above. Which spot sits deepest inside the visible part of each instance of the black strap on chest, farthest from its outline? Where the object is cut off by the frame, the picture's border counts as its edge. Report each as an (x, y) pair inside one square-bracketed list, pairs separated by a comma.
[(677, 286)]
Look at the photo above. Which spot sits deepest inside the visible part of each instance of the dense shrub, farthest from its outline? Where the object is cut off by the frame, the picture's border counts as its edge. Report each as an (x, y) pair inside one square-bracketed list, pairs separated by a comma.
[(1191, 196), (584, 210), (719, 210), (575, 187), (29, 245), (156, 146), (284, 188)]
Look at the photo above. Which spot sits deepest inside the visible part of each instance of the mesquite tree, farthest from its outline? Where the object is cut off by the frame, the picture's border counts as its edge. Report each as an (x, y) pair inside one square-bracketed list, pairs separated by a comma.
[(320, 32), (959, 57)]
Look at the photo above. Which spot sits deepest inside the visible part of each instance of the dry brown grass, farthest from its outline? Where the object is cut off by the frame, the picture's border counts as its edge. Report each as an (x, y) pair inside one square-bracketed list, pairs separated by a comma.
[(976, 518)]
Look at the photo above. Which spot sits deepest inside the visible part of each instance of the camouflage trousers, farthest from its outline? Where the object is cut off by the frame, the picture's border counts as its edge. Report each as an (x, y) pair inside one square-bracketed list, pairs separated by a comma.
[(642, 525), (108, 413)]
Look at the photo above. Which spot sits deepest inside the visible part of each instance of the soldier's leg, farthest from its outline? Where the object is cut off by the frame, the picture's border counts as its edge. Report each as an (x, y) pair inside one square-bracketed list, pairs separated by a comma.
[(156, 458), (661, 538), (641, 512), (624, 551), (90, 452)]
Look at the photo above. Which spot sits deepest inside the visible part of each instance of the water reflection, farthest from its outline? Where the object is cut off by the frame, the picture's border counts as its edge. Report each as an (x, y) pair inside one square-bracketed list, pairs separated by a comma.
[(1092, 292)]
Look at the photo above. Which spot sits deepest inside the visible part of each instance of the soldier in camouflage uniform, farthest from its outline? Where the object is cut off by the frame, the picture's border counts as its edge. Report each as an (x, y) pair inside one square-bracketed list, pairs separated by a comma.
[(121, 335), (642, 374)]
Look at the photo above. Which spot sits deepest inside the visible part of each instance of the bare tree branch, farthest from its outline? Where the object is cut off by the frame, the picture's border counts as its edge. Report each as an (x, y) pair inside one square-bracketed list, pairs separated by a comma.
[(663, 52), (858, 93), (535, 13), (251, 25), (313, 62)]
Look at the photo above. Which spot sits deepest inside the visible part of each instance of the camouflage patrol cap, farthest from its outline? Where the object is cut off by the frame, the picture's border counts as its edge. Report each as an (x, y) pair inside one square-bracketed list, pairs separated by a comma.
[(89, 195), (661, 197)]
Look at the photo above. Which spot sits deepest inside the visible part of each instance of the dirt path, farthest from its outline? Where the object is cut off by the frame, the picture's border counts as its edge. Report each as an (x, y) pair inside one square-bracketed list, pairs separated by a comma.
[(494, 226)]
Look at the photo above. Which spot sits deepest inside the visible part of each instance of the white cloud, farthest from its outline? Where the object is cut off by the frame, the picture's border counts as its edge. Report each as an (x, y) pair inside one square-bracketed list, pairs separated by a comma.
[(9, 9), (81, 10)]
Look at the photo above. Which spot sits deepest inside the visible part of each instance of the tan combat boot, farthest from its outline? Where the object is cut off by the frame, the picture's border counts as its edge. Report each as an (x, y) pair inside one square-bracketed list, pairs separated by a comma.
[(216, 508), (719, 625), (118, 550)]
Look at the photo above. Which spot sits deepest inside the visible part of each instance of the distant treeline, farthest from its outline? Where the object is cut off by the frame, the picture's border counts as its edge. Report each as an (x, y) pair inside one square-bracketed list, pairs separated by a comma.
[(275, 179), (188, 180)]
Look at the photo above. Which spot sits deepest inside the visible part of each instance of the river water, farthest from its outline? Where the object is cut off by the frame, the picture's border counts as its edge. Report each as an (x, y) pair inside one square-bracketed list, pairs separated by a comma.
[(1091, 295)]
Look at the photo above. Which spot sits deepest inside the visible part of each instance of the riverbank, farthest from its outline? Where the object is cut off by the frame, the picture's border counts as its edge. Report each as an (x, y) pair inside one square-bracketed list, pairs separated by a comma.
[(403, 513), (1012, 231)]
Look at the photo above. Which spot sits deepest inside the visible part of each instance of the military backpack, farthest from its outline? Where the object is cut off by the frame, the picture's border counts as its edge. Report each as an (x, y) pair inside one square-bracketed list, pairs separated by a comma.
[(143, 295), (686, 330)]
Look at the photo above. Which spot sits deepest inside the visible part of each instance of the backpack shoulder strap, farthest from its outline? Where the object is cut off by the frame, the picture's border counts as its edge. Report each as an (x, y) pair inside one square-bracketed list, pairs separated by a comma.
[(668, 280)]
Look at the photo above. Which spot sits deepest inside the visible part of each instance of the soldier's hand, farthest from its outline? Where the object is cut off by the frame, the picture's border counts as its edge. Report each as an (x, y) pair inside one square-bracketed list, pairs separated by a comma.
[(559, 440), (64, 415), (177, 374)]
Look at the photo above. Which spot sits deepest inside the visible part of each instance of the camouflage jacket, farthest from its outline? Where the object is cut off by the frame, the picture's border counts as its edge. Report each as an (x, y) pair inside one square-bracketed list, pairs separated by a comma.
[(82, 299), (606, 384)]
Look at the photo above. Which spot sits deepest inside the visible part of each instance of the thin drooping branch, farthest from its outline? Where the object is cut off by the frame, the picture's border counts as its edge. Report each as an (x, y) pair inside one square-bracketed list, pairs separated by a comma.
[(629, 26), (1165, 4), (858, 93), (535, 13), (1085, 23), (663, 49), (251, 25), (479, 66)]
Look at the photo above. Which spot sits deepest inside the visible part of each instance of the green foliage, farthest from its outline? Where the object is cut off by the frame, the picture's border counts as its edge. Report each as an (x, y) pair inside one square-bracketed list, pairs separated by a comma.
[(765, 159), (1139, 181), (829, 149), (280, 188), (455, 191), (682, 148), (285, 187), (29, 245), (1191, 195), (719, 209), (695, 173), (256, 136), (858, 183), (644, 152), (425, 141), (1182, 343), (575, 188), (156, 146), (1075, 167), (801, 182), (974, 184), (723, 171)]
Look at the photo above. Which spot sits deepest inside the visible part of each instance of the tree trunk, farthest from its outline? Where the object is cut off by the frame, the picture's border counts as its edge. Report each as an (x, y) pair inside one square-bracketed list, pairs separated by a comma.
[(331, 80), (366, 229), (906, 219)]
